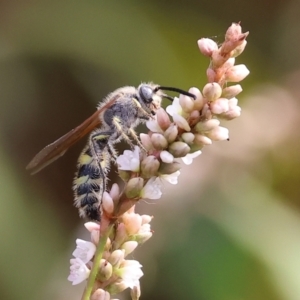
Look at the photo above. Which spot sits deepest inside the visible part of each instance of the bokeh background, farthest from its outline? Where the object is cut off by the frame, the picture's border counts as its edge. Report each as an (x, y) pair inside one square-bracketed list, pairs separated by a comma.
[(230, 229)]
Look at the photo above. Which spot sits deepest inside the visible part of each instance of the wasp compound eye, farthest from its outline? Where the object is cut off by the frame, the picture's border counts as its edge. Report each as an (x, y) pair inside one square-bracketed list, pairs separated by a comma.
[(146, 93)]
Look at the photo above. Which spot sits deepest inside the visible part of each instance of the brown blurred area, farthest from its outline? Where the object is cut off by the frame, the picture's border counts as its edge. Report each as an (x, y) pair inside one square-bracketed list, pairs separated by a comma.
[(234, 215)]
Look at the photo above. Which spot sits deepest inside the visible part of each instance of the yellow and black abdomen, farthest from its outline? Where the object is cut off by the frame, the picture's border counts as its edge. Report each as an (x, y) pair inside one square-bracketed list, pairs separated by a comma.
[(90, 183)]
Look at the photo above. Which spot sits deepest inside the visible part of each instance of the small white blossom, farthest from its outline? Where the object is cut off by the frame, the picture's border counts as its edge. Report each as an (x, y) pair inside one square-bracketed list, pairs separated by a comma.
[(85, 250), (175, 108), (131, 273), (78, 271), (152, 189), (171, 178), (130, 160), (181, 122), (153, 126), (188, 159)]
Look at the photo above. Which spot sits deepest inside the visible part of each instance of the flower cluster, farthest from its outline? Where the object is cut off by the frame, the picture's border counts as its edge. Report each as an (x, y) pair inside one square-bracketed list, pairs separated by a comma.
[(115, 273), (175, 135)]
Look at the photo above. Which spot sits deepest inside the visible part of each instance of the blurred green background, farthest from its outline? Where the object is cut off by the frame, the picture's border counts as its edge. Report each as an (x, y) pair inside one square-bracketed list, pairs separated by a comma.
[(230, 229)]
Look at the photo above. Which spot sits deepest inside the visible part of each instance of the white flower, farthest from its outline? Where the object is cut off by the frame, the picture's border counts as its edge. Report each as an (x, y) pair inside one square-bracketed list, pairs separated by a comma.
[(153, 126), (85, 250), (171, 178), (130, 273), (181, 122), (152, 189), (130, 160), (175, 108), (188, 159), (78, 271)]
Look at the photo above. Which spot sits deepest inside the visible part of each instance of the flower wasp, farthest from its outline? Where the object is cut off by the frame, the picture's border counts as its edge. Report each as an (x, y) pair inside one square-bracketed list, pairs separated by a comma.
[(115, 119)]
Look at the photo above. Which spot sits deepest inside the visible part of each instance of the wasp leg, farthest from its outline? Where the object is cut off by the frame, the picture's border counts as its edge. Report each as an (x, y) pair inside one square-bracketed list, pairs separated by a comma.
[(136, 138)]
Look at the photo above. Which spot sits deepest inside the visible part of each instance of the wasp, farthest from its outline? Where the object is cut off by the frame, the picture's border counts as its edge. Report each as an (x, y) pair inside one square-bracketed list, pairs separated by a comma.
[(115, 119)]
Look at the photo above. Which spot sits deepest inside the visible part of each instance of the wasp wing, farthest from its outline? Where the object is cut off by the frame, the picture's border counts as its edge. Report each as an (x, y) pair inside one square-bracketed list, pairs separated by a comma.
[(58, 148)]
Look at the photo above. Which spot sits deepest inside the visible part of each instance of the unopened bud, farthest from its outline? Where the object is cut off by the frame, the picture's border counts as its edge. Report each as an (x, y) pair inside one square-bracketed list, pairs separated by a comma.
[(166, 157), (186, 103), (207, 125), (236, 73), (169, 168), (171, 133), (100, 294), (105, 270), (132, 222), (134, 187), (146, 219), (135, 292), (162, 119), (188, 137), (219, 106), (231, 91), (107, 203), (143, 237), (181, 122), (218, 134), (159, 142), (179, 149), (232, 113), (129, 247), (202, 140), (207, 46), (116, 257), (212, 91), (233, 31), (239, 49), (211, 75), (149, 166), (146, 141)]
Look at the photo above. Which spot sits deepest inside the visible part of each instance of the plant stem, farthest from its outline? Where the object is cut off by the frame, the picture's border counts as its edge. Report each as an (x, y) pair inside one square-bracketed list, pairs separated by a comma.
[(96, 263)]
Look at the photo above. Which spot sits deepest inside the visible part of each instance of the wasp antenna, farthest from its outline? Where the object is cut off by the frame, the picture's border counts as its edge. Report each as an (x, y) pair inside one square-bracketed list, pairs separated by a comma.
[(173, 89), (168, 97)]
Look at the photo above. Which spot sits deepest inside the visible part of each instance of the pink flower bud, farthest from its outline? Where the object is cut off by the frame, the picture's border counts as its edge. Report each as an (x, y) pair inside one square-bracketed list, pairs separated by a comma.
[(188, 137), (187, 103), (239, 49), (207, 125), (218, 134), (219, 106), (207, 46), (212, 91), (132, 222), (159, 142), (107, 203), (179, 149), (163, 119), (146, 141), (231, 91), (169, 168), (100, 294), (171, 133), (105, 270), (211, 75), (236, 73), (149, 166), (134, 187), (181, 122), (202, 140)]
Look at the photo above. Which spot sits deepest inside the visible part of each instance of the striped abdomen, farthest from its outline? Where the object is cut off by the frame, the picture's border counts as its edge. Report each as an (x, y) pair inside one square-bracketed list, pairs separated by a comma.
[(90, 183)]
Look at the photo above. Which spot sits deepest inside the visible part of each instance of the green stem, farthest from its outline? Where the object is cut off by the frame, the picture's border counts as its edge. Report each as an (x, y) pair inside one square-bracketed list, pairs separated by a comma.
[(96, 263)]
